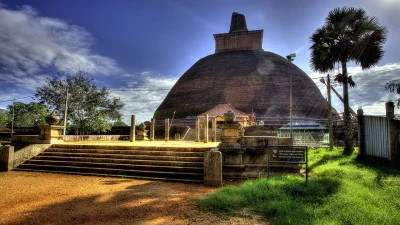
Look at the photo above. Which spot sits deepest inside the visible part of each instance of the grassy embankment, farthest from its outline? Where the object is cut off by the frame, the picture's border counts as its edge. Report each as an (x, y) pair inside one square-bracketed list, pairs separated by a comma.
[(341, 190)]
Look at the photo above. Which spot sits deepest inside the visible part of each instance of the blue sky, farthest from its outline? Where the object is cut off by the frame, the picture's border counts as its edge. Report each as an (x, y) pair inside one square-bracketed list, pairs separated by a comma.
[(139, 45)]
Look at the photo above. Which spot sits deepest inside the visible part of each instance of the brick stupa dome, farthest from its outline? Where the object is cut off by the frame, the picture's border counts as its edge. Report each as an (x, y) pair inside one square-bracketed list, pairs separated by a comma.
[(240, 73)]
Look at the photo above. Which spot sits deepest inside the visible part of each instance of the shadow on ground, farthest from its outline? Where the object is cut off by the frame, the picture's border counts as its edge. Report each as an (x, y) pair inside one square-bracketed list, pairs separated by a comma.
[(145, 203)]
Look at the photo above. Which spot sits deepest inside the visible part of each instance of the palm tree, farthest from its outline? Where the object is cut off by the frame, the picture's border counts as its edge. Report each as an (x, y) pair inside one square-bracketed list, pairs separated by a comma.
[(347, 35)]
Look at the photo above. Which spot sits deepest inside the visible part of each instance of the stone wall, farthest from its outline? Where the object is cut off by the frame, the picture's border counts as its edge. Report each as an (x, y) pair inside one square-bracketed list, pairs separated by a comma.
[(72, 138), (28, 152)]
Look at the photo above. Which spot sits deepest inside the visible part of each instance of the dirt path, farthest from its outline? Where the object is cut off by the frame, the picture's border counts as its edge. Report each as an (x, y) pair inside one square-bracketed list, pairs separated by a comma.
[(43, 198)]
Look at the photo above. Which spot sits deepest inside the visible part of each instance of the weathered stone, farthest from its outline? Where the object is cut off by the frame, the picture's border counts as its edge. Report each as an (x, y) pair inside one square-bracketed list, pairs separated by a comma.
[(197, 130), (52, 119), (142, 132), (213, 168), (229, 117), (263, 142), (206, 128), (241, 131), (6, 157), (214, 130), (238, 23), (232, 156), (167, 129), (229, 133), (28, 152), (389, 110), (152, 128), (132, 130), (51, 134)]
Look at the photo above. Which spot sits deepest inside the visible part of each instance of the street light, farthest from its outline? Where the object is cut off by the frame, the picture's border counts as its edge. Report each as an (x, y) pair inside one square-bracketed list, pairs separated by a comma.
[(290, 58)]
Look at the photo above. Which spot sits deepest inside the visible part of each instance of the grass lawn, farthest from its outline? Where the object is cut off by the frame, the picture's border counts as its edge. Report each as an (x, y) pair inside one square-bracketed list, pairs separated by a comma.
[(341, 190)]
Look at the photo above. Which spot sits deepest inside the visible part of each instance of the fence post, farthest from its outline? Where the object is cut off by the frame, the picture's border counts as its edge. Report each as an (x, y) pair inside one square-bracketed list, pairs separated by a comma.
[(393, 134), (361, 132)]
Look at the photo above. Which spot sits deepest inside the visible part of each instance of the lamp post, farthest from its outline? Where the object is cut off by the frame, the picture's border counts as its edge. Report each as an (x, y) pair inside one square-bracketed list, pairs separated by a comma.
[(290, 58)]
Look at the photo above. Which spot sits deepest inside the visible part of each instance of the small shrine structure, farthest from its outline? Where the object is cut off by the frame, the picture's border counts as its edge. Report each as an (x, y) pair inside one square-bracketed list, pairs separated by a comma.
[(219, 110)]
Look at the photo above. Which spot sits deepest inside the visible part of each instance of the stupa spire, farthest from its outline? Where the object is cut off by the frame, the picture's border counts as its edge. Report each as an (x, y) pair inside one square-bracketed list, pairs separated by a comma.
[(238, 23), (239, 37)]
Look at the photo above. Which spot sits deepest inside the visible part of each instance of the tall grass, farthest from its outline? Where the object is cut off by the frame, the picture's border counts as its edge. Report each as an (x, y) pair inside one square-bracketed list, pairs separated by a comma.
[(340, 190)]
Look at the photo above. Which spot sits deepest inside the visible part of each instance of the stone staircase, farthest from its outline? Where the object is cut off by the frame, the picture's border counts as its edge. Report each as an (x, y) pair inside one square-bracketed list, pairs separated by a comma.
[(155, 163)]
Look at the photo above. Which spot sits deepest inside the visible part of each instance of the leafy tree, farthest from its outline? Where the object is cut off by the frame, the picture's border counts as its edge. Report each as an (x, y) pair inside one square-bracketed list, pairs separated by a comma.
[(27, 115), (347, 35), (119, 123), (3, 117), (89, 108), (394, 87)]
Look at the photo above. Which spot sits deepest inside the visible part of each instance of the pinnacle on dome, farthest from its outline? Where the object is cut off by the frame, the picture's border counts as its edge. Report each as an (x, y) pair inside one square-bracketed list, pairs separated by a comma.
[(238, 23)]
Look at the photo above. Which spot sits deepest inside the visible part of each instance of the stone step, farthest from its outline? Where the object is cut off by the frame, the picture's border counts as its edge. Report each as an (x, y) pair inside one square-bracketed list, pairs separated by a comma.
[(186, 169), (124, 156), (120, 161), (147, 148), (114, 171), (129, 152), (112, 175)]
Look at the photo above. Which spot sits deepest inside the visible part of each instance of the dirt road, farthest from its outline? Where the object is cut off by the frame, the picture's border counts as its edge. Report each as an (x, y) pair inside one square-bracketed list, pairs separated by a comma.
[(44, 198)]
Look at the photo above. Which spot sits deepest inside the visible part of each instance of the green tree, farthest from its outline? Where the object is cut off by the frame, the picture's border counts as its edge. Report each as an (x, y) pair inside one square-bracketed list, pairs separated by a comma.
[(119, 123), (3, 117), (27, 115), (90, 109), (394, 87), (348, 35)]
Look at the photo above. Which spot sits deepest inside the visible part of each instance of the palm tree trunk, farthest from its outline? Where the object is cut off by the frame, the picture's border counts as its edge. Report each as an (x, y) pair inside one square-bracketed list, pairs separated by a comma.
[(348, 126)]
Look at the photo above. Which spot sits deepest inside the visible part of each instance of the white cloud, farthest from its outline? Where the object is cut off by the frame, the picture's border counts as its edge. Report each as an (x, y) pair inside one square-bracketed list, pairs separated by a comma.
[(370, 93), (144, 99), (30, 42)]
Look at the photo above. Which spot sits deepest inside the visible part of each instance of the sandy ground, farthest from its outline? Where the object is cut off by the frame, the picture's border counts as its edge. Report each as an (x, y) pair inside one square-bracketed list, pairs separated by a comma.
[(44, 198)]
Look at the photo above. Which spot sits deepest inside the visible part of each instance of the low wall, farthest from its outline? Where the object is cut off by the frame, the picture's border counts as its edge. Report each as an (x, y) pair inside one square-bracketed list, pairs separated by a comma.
[(27, 139), (11, 158), (72, 138), (250, 160), (28, 152)]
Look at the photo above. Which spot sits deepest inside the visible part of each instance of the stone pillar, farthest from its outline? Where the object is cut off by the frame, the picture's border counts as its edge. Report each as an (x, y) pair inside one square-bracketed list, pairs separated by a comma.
[(214, 130), (51, 134), (197, 130), (133, 129), (206, 128), (167, 129), (361, 132), (152, 128), (6, 157), (389, 110), (213, 168)]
